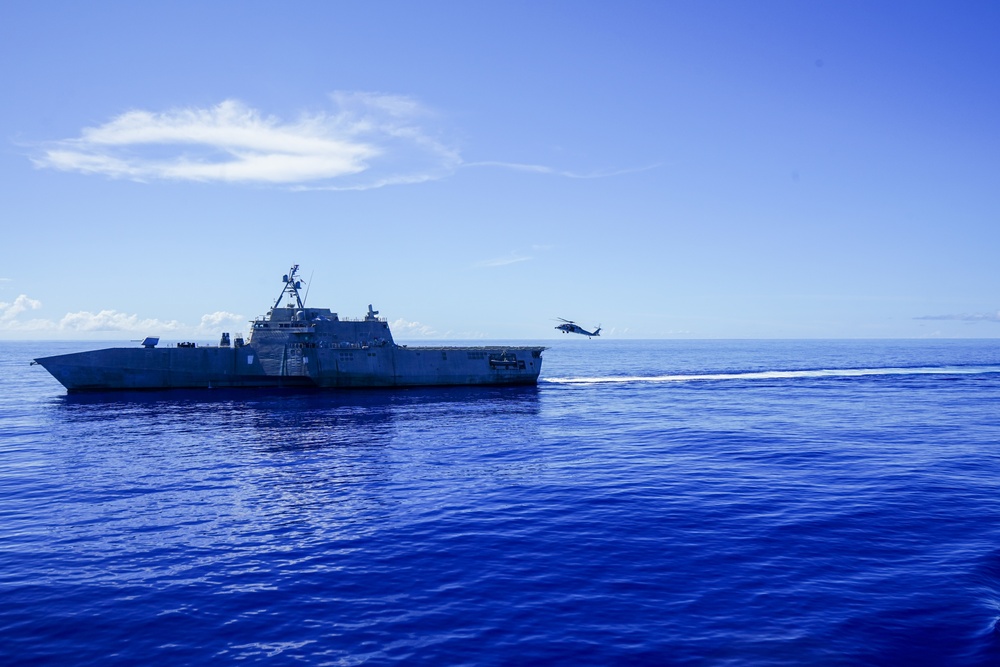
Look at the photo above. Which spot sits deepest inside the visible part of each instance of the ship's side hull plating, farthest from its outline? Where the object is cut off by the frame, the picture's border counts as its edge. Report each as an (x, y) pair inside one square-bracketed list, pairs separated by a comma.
[(296, 346), (293, 365)]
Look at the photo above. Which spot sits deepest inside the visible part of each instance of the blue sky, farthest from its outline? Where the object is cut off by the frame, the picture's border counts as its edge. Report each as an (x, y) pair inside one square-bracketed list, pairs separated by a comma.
[(664, 169)]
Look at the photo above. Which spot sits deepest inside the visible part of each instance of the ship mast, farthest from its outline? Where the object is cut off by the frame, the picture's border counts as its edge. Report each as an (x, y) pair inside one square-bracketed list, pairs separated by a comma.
[(291, 287)]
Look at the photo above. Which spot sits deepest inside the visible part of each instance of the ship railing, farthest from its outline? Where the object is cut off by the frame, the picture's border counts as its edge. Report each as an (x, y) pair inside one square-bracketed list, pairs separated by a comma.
[(261, 323), (363, 319)]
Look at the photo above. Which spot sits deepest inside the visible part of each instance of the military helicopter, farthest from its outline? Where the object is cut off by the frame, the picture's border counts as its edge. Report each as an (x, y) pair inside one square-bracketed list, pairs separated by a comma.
[(569, 326)]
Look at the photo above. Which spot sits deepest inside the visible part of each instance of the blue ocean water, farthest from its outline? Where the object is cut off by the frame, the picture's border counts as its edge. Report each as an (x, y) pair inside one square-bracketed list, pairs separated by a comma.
[(650, 502)]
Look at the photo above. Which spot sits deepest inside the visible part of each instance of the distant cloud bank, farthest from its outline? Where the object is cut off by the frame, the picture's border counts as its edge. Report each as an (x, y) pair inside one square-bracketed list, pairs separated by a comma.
[(367, 140), (109, 321), (406, 329), (85, 323)]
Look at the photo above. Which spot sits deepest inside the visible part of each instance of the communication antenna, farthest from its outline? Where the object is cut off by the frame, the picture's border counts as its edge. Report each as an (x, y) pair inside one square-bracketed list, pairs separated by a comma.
[(308, 285)]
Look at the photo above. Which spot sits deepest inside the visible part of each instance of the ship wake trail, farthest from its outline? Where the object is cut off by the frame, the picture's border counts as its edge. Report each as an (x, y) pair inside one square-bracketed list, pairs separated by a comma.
[(774, 375)]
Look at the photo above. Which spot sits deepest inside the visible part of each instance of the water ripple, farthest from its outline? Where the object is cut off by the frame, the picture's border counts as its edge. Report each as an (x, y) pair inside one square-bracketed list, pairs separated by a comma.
[(717, 513)]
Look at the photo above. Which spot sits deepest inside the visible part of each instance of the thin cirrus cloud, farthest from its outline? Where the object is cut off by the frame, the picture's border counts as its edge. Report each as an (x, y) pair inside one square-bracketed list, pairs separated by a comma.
[(503, 261), (367, 140), (542, 169), (964, 317), (514, 257)]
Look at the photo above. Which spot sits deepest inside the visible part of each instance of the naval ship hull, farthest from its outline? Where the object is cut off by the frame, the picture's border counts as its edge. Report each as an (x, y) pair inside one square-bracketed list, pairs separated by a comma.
[(225, 367), (296, 346)]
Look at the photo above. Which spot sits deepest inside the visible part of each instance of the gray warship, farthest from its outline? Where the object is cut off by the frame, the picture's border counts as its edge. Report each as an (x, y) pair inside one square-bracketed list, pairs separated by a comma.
[(295, 346)]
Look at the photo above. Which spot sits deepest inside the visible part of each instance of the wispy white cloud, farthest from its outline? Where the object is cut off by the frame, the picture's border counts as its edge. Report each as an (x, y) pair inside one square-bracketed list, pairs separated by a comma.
[(364, 140), (367, 140), (964, 317)]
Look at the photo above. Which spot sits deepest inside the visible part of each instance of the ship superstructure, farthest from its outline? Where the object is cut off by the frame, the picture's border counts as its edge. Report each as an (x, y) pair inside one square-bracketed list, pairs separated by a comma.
[(296, 346)]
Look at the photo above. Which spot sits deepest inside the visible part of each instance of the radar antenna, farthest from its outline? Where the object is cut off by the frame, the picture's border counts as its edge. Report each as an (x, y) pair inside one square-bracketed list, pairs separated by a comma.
[(291, 288)]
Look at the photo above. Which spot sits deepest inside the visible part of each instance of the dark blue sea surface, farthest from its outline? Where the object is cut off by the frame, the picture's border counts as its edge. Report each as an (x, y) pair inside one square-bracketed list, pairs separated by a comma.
[(650, 502)]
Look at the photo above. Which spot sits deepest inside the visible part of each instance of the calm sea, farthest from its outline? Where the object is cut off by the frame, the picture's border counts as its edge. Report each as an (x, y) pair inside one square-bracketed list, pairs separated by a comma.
[(663, 503)]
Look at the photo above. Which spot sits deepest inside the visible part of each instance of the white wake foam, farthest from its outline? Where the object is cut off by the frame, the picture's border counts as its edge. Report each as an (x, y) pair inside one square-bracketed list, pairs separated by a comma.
[(776, 375)]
